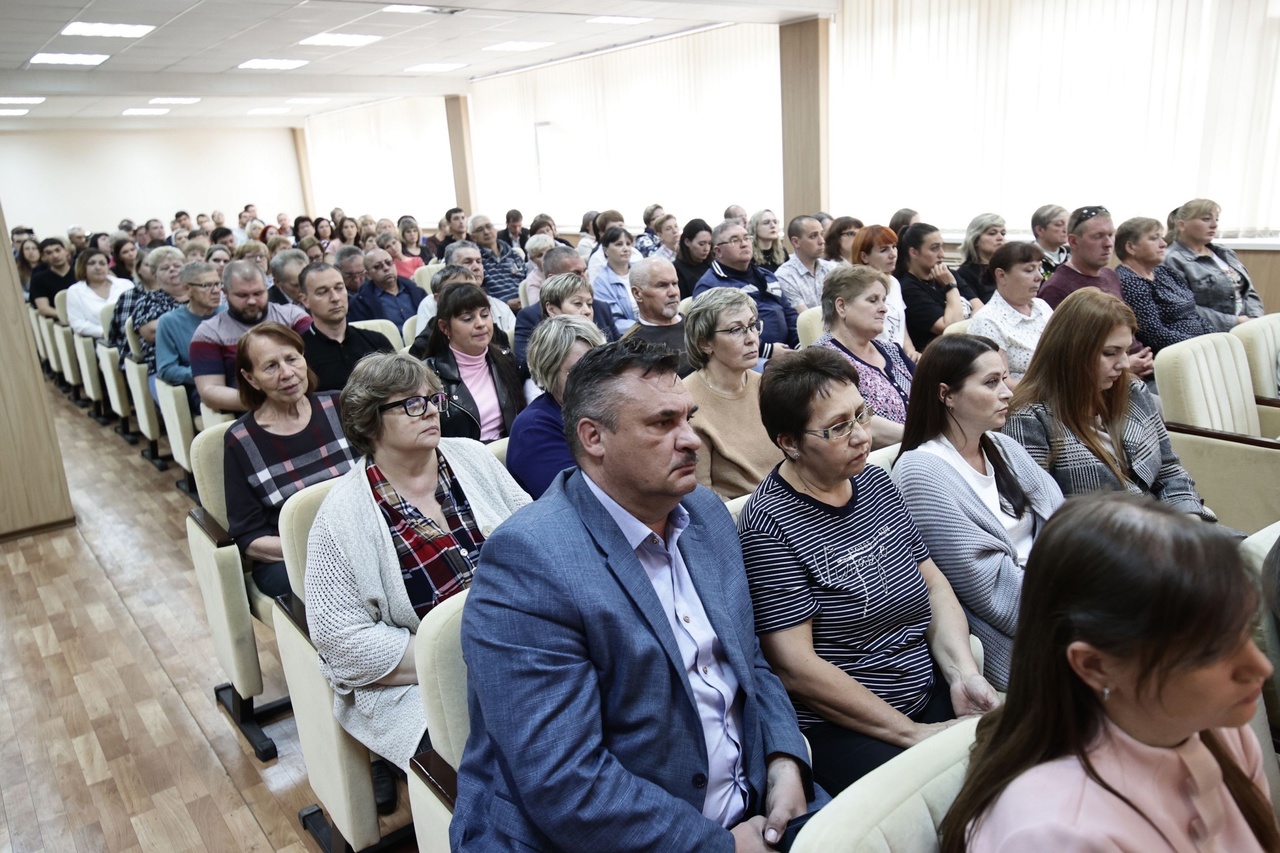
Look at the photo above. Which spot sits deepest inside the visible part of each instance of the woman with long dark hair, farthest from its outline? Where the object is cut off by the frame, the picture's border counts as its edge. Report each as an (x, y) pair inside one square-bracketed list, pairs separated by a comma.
[(693, 258), (934, 300), (1133, 679)]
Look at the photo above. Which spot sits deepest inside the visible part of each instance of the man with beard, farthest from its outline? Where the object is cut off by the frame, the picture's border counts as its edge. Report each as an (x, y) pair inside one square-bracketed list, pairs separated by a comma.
[(656, 289), (213, 346)]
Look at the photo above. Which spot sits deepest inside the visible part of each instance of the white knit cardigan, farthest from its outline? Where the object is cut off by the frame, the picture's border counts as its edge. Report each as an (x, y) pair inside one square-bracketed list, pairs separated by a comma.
[(359, 614)]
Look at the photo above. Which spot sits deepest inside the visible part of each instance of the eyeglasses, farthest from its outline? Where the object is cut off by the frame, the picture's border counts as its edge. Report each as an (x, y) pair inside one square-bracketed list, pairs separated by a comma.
[(736, 241), (255, 257), (1084, 214), (382, 265), (845, 428), (416, 407), (740, 332), (213, 285)]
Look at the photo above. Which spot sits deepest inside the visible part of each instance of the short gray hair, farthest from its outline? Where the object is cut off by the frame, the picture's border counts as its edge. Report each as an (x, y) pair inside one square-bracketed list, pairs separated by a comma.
[(558, 288), (346, 253), (287, 258), (454, 247), (476, 217), (377, 378), (1046, 214), (189, 271), (642, 271), (556, 260), (704, 314), (450, 273), (977, 227), (539, 244), (159, 255), (551, 342), (718, 231), (241, 270)]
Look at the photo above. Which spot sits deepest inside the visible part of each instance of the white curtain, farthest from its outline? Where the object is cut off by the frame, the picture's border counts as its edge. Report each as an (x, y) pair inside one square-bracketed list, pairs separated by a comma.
[(692, 123), (962, 107)]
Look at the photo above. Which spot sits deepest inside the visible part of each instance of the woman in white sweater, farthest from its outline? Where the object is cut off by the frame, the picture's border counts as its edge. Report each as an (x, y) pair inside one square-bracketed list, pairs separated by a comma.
[(977, 496), (399, 533), (94, 290)]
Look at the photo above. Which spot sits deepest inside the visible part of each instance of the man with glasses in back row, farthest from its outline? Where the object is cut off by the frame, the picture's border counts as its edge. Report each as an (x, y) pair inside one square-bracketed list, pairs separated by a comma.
[(175, 329), (384, 295), (733, 267)]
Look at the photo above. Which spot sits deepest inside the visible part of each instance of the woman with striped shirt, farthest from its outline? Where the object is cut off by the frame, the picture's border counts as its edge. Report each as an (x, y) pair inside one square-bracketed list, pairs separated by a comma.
[(856, 620)]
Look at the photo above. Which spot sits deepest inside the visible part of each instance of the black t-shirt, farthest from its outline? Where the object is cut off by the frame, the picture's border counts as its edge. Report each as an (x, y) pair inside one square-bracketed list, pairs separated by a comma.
[(47, 283), (333, 361), (689, 275), (969, 280), (926, 304)]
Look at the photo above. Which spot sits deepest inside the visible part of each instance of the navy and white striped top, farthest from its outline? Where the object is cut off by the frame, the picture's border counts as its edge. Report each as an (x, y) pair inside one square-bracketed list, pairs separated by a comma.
[(854, 570)]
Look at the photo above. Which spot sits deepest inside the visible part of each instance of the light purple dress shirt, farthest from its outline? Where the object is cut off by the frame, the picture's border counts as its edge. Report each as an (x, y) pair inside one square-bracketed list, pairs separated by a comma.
[(715, 687)]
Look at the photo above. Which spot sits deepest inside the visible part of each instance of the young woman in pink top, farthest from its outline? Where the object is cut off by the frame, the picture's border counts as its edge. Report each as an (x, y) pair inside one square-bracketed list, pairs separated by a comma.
[(1133, 680)]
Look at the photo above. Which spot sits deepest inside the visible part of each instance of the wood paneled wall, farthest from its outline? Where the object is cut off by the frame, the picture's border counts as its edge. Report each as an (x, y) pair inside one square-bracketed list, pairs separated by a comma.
[(1264, 269), (803, 49)]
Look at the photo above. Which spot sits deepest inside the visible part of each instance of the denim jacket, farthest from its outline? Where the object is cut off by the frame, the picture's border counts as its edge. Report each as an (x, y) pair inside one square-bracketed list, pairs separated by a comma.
[(1214, 291)]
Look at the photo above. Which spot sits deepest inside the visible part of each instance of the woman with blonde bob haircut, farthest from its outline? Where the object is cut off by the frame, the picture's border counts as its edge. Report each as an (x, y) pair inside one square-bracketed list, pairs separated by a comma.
[(1086, 419), (1133, 680), (1224, 293)]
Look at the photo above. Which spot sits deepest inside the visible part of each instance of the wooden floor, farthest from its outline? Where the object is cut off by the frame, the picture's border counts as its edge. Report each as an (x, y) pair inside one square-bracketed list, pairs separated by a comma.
[(109, 735)]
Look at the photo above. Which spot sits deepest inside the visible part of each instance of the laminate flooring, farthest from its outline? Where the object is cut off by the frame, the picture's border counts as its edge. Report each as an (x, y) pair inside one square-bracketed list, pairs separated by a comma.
[(110, 739)]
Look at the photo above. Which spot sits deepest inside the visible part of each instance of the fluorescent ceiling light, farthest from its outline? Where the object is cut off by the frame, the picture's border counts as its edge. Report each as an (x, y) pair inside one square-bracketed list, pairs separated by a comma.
[(435, 67), (174, 101), (70, 58), (14, 112), (21, 100), (111, 31), (407, 9), (308, 100), (268, 111), (620, 20), (340, 40), (273, 64), (520, 45), (145, 111)]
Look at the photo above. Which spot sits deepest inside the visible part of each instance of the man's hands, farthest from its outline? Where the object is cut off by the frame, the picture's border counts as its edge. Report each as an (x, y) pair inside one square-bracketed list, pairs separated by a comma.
[(1142, 363)]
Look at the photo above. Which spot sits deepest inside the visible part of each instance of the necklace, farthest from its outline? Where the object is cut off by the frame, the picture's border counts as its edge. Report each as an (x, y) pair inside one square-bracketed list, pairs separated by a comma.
[(706, 377)]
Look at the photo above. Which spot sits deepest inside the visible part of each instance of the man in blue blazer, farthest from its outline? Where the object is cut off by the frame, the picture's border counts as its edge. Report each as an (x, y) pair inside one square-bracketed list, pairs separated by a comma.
[(384, 295), (618, 697)]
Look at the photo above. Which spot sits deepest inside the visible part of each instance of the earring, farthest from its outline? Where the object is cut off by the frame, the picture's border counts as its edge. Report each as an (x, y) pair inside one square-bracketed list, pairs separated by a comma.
[(1106, 694)]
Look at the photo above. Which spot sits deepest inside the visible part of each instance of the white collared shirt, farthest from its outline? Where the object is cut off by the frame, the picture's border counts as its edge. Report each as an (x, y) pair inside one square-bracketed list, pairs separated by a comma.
[(1015, 332)]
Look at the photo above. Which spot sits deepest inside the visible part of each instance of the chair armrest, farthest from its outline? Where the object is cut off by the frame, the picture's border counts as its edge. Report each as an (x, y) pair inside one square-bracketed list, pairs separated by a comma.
[(296, 611), (439, 776), (1219, 435), (1231, 473), (211, 528), (1269, 402)]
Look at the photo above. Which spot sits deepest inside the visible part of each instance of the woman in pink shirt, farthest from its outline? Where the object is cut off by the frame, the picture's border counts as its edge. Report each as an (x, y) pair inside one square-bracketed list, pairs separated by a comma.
[(1133, 680)]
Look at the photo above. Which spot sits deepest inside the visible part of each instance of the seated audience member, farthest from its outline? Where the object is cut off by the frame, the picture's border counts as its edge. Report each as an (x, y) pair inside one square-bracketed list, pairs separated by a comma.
[(175, 328), (722, 335), (276, 245), (596, 263), (27, 255), (397, 534), (732, 267), (647, 243), (903, 219), (95, 288), (544, 224), (586, 234), (256, 252), (667, 229), (55, 277), (285, 267), (571, 295), (411, 240), (455, 230), (125, 252), (324, 231), (160, 290), (289, 437), (1133, 681), (1049, 227), (463, 264), (977, 497), (853, 615), (1224, 293), (504, 269), (537, 450), (223, 237), (1158, 294), (693, 258), (737, 213), (347, 233), (312, 248), (219, 256), (480, 378), (535, 247), (1093, 426), (767, 248), (350, 262), (877, 247), (802, 274), (853, 312), (933, 298), (390, 243), (569, 635), (332, 346), (303, 227), (838, 241), (656, 292), (982, 238), (215, 343), (1014, 317), (515, 234), (194, 250), (384, 295), (612, 285)]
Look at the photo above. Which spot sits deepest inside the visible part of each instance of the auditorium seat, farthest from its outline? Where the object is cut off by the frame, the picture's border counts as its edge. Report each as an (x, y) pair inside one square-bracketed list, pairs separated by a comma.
[(90, 377), (48, 336), (899, 805), (1261, 339), (409, 330), (34, 317), (149, 423), (524, 293), (182, 429), (231, 599), (735, 505), (685, 304), (422, 275), (499, 449), (809, 325), (959, 327), (113, 378), (386, 328), (212, 417), (67, 359), (884, 457), (1254, 550)]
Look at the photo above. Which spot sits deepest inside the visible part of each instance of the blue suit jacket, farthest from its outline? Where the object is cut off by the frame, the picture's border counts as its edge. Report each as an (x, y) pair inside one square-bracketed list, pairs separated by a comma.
[(365, 305), (584, 731)]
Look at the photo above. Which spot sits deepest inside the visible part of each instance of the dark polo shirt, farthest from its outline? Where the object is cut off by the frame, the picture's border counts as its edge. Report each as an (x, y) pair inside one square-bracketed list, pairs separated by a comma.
[(333, 361)]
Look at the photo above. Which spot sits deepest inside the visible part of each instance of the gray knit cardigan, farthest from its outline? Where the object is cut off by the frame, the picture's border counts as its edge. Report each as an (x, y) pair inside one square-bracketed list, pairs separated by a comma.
[(970, 545)]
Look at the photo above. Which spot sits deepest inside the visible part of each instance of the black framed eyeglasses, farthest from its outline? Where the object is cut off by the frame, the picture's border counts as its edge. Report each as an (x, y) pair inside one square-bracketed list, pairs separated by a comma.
[(845, 428), (741, 331), (1084, 214), (416, 407)]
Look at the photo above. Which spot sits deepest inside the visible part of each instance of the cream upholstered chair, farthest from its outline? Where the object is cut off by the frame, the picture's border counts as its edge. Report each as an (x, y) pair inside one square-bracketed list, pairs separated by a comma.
[(685, 304), (65, 343), (499, 449), (113, 378), (524, 293), (49, 337), (735, 505), (959, 327), (87, 357), (809, 325), (422, 275), (1226, 441), (212, 417), (149, 423), (1261, 339), (182, 429), (33, 316), (1266, 723), (409, 331), (898, 806), (442, 678), (231, 599), (884, 457), (386, 328)]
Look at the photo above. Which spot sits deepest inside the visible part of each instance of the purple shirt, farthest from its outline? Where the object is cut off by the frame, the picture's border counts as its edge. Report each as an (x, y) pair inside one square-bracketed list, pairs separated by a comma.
[(1066, 281), (715, 687)]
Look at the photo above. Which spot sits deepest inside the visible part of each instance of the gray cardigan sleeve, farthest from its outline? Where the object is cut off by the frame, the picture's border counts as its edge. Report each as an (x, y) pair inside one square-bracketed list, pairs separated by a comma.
[(1026, 427)]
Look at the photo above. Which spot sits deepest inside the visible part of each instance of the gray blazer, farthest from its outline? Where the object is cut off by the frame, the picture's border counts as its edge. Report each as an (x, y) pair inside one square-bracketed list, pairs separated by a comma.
[(1213, 290), (1154, 468), (970, 545)]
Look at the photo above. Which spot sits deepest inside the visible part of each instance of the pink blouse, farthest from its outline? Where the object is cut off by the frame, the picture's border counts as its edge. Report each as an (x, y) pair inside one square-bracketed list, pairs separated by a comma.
[(475, 374), (1056, 807)]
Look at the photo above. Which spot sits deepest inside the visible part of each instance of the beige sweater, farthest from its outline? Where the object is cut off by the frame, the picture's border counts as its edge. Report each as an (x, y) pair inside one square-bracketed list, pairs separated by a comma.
[(736, 452)]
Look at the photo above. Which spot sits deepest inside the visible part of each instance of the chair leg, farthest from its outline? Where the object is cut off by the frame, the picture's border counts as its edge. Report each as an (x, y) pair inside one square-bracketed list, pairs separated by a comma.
[(330, 839), (122, 429), (99, 413), (78, 398), (249, 719), (152, 454), (187, 485)]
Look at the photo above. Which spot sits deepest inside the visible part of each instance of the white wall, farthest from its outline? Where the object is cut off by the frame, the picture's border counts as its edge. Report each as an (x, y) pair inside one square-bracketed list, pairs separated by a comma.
[(693, 123), (387, 160), (49, 180)]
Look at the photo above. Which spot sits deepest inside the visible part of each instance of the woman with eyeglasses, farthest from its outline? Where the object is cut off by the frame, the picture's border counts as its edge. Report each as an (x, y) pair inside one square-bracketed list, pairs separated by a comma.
[(977, 496), (722, 335), (767, 246), (399, 533), (839, 239), (854, 617)]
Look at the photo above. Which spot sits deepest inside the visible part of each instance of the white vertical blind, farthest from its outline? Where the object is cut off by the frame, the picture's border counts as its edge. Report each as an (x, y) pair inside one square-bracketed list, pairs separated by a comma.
[(692, 123), (962, 107), (387, 160)]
